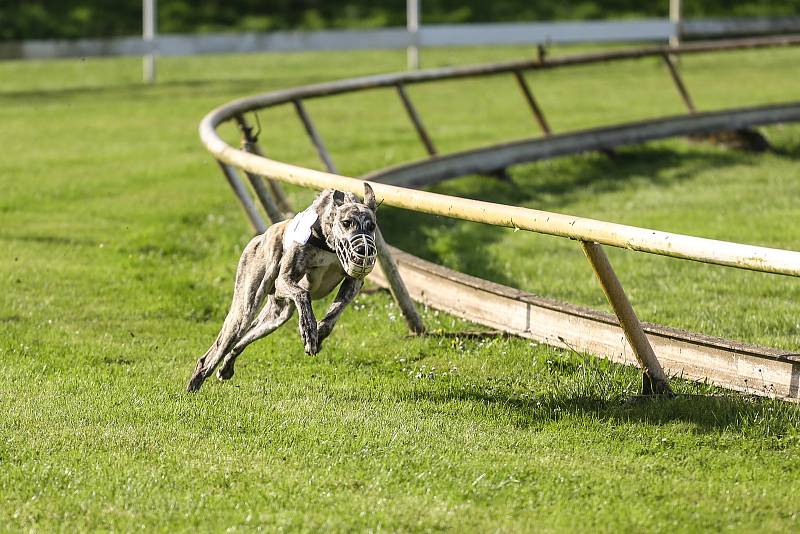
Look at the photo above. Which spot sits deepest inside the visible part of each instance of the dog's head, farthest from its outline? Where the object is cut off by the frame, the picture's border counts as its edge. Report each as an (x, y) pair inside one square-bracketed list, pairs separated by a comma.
[(353, 232)]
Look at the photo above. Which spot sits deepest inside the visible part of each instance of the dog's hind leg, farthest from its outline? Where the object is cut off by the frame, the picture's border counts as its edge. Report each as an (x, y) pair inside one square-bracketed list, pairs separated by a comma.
[(276, 312), (255, 278)]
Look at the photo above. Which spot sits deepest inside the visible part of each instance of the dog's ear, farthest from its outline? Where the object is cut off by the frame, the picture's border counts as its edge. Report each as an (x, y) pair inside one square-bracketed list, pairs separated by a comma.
[(369, 197), (338, 197)]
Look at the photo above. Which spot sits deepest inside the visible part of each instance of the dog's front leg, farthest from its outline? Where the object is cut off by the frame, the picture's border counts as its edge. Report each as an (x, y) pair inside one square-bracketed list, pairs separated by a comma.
[(286, 286), (347, 292), (302, 300)]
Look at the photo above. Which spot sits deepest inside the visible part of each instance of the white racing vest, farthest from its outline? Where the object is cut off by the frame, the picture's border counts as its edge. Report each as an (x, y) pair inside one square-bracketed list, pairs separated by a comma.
[(299, 228)]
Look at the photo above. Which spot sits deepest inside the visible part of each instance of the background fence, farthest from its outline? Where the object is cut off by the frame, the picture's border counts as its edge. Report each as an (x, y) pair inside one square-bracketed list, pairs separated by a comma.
[(532, 33)]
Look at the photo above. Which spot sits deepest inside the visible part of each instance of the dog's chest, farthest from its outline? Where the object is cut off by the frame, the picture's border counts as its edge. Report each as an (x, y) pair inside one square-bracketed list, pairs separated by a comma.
[(324, 274)]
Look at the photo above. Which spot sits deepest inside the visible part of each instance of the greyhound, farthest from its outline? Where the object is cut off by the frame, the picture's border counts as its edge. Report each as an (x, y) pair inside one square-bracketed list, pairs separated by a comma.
[(294, 262)]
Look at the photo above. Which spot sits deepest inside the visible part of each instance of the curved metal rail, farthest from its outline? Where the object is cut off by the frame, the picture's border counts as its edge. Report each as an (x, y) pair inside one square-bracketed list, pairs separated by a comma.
[(590, 232)]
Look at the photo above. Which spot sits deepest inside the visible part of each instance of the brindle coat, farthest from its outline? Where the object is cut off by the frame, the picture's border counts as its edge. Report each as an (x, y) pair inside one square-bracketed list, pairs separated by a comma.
[(289, 277)]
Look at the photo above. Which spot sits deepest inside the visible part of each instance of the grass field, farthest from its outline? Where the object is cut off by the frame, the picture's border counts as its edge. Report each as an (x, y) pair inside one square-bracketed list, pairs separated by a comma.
[(118, 243)]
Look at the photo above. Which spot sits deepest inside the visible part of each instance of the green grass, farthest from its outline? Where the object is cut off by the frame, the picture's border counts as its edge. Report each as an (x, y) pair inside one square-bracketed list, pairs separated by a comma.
[(118, 242)]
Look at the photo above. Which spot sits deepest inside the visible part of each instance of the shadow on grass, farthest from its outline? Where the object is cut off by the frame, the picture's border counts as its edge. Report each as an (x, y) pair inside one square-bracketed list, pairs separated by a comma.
[(753, 416), (70, 241), (593, 390), (462, 245), (240, 86), (791, 151)]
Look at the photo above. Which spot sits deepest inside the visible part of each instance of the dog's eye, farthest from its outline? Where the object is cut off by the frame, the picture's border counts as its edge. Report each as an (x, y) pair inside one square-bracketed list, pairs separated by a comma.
[(346, 223)]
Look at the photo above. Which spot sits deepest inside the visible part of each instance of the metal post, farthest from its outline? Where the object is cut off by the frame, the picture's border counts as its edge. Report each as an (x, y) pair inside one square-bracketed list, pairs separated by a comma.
[(250, 144), (397, 287), (537, 112), (654, 381), (246, 201), (676, 77), (412, 25), (675, 19), (314, 135), (500, 174), (275, 215), (149, 28), (415, 118), (741, 138)]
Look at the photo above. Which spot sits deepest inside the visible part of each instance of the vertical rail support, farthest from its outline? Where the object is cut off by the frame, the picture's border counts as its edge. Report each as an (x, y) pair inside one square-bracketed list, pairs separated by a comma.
[(675, 18), (676, 77), (537, 111), (250, 144), (500, 174), (741, 138), (541, 53), (311, 130), (654, 381), (246, 201), (149, 29), (534, 105), (415, 118), (412, 27), (274, 213), (397, 287)]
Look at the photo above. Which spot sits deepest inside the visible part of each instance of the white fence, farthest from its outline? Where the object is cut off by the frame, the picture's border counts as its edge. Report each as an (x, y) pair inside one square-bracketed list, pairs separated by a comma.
[(532, 33)]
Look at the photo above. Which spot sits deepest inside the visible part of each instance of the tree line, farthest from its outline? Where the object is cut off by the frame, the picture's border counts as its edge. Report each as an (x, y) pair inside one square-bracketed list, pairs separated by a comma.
[(55, 19)]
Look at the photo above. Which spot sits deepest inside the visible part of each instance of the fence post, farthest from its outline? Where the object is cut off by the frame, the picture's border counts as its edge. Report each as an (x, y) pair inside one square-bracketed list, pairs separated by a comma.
[(250, 144), (313, 134), (654, 381), (412, 25), (397, 287), (416, 120), (149, 29), (676, 77), (249, 207), (531, 100), (675, 19)]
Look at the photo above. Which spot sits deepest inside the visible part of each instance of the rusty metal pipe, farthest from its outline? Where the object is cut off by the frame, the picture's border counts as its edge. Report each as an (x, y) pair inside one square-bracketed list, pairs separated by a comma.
[(397, 287), (654, 380), (250, 144), (245, 200), (316, 139), (676, 77), (416, 120), (529, 98)]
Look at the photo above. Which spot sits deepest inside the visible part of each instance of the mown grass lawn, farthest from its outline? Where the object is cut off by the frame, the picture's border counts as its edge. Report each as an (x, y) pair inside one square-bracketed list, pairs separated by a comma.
[(118, 243)]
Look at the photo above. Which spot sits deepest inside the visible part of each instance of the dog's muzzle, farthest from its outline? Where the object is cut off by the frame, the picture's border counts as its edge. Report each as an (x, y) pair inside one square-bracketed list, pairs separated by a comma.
[(357, 255)]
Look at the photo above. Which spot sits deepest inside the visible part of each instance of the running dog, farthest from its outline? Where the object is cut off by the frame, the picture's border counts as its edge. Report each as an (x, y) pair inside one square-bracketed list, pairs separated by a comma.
[(294, 262)]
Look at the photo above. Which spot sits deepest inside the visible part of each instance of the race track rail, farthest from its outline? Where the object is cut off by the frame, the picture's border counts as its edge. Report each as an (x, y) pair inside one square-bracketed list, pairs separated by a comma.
[(738, 366)]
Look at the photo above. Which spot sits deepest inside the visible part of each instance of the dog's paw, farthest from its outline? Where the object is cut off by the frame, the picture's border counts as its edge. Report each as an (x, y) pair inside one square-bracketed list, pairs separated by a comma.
[(198, 376), (194, 383), (323, 330), (225, 372), (311, 346), (308, 333)]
